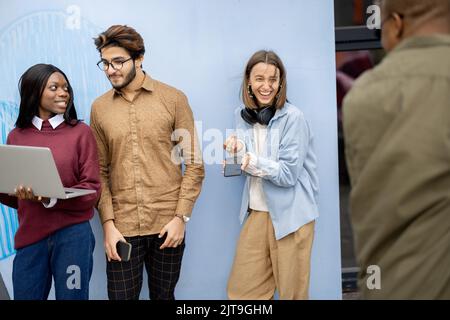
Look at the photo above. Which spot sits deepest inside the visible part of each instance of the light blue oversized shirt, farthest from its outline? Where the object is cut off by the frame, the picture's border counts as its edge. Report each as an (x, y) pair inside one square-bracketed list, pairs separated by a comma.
[(290, 183)]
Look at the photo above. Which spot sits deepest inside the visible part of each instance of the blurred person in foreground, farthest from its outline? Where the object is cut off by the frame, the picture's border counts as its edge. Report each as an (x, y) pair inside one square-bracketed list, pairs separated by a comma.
[(397, 135)]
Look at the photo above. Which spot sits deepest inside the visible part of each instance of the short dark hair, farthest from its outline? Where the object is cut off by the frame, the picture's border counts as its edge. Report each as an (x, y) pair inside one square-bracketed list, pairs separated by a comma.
[(268, 57), (31, 86), (121, 36), (421, 11)]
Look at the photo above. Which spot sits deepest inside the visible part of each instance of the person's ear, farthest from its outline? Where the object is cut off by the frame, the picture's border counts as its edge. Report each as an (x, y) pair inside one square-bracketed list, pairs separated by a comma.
[(249, 90), (139, 62), (399, 24)]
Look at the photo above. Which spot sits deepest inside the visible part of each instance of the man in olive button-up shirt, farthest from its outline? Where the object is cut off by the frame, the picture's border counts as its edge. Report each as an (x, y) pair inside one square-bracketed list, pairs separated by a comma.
[(143, 129), (397, 136)]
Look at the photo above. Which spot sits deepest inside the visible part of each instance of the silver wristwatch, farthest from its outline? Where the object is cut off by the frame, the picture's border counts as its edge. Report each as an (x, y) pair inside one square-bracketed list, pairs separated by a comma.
[(183, 217)]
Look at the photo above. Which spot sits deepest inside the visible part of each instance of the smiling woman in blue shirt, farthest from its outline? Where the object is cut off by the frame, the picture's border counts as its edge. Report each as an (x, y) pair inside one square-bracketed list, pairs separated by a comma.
[(279, 202)]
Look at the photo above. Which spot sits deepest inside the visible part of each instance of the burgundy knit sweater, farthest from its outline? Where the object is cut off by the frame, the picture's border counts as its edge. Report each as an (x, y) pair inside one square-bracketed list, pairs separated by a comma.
[(75, 152)]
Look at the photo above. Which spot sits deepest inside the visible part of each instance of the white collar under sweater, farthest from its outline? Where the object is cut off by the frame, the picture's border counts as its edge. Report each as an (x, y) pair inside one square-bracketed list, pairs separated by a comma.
[(55, 121)]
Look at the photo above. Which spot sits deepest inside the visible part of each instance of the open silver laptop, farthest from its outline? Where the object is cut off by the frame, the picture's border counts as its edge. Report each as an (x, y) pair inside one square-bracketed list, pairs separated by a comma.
[(33, 167)]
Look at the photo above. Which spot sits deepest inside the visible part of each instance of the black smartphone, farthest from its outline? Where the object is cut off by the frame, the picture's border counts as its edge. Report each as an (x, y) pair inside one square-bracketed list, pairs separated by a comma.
[(232, 168), (124, 250)]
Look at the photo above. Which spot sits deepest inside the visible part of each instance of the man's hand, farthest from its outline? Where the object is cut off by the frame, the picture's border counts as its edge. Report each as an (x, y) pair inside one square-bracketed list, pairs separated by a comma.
[(110, 238), (175, 233)]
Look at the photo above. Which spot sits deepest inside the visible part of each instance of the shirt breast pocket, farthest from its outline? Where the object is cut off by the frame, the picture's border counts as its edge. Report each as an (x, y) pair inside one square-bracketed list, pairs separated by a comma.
[(157, 129)]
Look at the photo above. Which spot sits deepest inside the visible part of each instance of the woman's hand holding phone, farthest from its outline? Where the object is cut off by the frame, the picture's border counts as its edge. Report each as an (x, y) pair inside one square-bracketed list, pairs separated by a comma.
[(232, 145), (231, 166)]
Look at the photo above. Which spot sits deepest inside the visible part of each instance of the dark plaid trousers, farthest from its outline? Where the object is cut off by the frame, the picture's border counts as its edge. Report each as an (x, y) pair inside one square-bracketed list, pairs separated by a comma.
[(162, 266)]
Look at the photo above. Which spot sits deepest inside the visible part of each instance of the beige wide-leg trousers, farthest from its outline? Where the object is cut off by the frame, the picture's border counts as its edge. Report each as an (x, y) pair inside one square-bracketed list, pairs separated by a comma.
[(263, 264)]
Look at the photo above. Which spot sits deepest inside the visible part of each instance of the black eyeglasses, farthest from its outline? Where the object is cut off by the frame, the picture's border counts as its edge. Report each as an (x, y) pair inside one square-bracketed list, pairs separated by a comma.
[(115, 64)]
